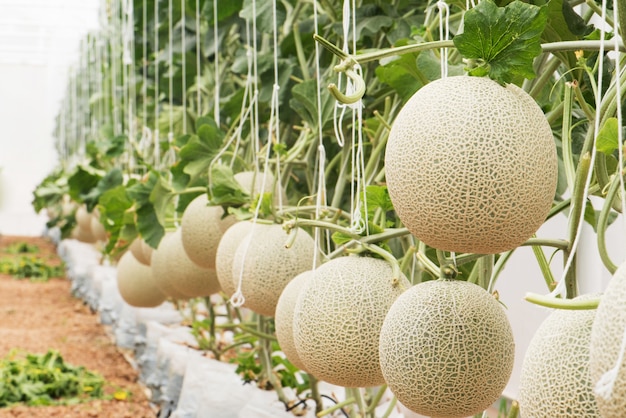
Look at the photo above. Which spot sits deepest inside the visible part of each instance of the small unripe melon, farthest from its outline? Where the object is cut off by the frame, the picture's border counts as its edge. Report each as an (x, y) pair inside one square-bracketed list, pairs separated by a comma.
[(186, 276), (607, 333), (446, 349), (283, 320), (555, 379), (202, 228), (136, 247), (265, 266), (161, 266), (225, 254), (338, 317), (135, 283), (471, 166)]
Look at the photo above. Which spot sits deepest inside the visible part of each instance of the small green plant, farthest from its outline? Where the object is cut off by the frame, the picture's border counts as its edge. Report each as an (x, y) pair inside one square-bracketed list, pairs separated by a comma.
[(46, 379), (21, 248), (30, 267)]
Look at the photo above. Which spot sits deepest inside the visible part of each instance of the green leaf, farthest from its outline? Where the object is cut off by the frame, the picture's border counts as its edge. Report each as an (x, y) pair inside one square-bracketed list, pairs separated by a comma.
[(224, 190), (111, 179), (82, 181), (607, 141), (503, 41), (113, 206), (304, 102), (378, 198), (200, 149), (148, 225)]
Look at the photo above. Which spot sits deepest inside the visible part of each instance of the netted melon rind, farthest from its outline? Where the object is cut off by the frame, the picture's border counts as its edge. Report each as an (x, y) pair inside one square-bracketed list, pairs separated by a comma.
[(471, 166), (135, 283), (187, 277), (225, 254), (606, 339), (338, 316), (283, 320), (555, 379), (446, 349), (202, 228), (266, 265), (136, 247), (161, 266)]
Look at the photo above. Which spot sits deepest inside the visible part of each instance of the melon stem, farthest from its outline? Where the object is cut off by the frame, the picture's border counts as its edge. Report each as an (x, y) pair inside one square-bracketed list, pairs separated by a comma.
[(558, 303), (603, 220)]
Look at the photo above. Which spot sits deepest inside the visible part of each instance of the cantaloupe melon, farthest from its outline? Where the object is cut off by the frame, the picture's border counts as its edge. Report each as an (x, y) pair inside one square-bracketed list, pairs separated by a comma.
[(338, 317), (136, 247), (605, 348), (225, 254), (246, 178), (186, 276), (83, 218), (471, 166), (265, 265), (82, 235), (97, 229), (161, 266), (555, 379), (446, 349), (135, 283), (202, 228), (283, 320)]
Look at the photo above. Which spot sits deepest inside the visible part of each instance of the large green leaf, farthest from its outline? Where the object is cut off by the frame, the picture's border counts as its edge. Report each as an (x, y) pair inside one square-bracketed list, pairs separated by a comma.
[(82, 181), (201, 149), (224, 190), (111, 179), (502, 41), (304, 102), (608, 139)]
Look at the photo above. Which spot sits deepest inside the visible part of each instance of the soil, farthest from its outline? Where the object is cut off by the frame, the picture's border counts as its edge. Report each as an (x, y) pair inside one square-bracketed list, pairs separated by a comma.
[(38, 316)]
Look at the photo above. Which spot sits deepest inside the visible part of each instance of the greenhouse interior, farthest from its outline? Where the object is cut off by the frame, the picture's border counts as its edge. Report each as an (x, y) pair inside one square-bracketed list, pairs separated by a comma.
[(184, 184)]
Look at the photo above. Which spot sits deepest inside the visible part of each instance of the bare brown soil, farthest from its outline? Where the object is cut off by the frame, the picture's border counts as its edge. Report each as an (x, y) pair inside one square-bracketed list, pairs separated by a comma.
[(36, 317)]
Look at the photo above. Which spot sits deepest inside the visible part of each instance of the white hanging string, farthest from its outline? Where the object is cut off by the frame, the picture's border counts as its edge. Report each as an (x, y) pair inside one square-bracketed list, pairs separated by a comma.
[(114, 64), (155, 135), (170, 61), (274, 123), (183, 42), (320, 201), (216, 62), (620, 117), (128, 34), (560, 287), (198, 61), (444, 27), (238, 299), (146, 134), (605, 385)]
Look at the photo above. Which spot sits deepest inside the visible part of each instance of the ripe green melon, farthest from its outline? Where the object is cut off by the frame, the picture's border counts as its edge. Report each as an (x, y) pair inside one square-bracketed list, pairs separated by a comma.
[(607, 333), (225, 254), (135, 283), (202, 228), (471, 166), (338, 317), (266, 265), (186, 276), (136, 247), (161, 266), (446, 349), (555, 379), (283, 320)]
